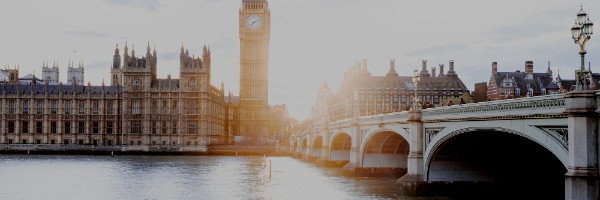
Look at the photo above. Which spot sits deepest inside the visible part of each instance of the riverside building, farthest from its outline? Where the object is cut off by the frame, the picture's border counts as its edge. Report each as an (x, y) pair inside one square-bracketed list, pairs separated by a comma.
[(136, 112), (393, 93)]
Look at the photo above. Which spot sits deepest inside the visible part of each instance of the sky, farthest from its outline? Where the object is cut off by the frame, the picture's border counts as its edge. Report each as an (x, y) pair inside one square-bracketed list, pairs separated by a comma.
[(312, 41)]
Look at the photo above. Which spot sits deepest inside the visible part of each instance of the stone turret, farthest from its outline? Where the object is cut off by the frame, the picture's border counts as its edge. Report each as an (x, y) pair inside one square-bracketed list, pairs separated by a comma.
[(207, 60), (125, 54), (50, 74), (115, 70), (116, 59), (75, 75), (549, 71)]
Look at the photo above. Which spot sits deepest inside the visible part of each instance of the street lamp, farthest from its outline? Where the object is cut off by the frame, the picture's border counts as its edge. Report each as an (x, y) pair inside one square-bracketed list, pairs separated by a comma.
[(415, 79), (581, 32)]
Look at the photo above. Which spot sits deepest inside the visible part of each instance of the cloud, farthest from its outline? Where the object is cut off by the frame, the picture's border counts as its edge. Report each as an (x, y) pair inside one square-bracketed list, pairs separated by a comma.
[(150, 5), (83, 33), (439, 50)]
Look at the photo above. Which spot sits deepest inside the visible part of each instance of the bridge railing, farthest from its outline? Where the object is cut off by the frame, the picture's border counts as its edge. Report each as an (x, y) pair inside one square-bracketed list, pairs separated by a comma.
[(538, 106), (530, 106)]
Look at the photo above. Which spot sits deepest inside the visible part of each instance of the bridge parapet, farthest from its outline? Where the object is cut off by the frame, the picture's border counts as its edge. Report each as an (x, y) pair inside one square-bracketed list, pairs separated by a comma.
[(530, 107), (539, 106)]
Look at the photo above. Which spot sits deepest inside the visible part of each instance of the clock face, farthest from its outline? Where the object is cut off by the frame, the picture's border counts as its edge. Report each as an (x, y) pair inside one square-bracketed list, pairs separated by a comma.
[(253, 22)]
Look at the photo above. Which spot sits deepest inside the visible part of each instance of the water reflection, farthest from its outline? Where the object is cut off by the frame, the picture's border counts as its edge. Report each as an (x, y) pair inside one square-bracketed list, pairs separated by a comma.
[(179, 177)]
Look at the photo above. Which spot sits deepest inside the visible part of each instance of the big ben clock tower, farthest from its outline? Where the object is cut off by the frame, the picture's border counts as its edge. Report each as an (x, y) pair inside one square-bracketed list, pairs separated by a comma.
[(255, 28)]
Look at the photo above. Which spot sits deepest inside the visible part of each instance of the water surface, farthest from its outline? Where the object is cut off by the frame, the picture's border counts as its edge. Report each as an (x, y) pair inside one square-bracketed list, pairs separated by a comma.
[(180, 177)]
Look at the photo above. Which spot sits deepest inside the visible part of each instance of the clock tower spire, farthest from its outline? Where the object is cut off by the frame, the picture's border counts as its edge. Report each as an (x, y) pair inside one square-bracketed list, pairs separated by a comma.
[(255, 29)]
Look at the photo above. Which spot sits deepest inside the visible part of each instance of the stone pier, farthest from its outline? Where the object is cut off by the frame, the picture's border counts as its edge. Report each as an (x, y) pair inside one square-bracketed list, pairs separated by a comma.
[(581, 179), (413, 182)]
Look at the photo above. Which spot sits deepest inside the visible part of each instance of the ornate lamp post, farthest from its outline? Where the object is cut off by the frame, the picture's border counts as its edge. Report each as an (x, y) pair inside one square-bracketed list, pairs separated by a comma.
[(416, 78), (581, 32)]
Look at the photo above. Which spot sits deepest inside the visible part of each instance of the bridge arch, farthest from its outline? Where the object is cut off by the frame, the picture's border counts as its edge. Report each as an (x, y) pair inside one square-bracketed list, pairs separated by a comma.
[(505, 157), (535, 135), (385, 149), (401, 132), (317, 145), (304, 146), (341, 143), (295, 149)]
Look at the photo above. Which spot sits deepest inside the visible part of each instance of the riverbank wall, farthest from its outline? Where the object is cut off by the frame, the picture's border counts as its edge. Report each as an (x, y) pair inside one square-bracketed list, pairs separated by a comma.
[(227, 150)]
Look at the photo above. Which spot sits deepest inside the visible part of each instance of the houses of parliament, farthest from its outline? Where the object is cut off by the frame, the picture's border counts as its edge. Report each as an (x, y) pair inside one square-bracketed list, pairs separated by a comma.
[(137, 110)]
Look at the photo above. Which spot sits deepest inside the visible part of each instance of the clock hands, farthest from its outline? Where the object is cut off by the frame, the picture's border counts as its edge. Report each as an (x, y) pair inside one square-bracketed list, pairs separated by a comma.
[(253, 22)]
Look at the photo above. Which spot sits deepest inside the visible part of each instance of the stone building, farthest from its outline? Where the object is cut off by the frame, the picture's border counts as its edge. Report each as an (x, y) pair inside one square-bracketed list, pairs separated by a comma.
[(74, 74), (138, 110), (279, 120), (60, 114), (480, 92), (255, 31), (9, 75), (50, 74), (232, 117), (392, 93), (517, 84), (320, 110)]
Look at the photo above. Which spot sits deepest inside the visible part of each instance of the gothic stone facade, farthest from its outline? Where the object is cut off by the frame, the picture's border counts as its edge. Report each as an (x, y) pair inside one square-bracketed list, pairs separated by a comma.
[(138, 110), (60, 114), (255, 28)]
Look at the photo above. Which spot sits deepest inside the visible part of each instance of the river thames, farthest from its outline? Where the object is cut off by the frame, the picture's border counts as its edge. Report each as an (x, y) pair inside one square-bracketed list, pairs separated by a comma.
[(181, 177)]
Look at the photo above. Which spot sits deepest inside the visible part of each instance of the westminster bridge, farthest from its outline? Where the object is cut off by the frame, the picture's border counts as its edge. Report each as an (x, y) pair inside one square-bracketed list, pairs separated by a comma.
[(551, 138)]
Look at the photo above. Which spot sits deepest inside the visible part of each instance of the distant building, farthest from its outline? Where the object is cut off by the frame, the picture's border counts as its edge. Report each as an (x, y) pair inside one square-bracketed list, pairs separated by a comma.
[(320, 110), (50, 74), (480, 93), (9, 75), (31, 79), (279, 120), (75, 74), (392, 93), (232, 116), (517, 84)]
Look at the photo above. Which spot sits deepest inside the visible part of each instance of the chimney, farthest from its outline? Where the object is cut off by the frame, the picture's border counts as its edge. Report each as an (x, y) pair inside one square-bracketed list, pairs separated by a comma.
[(433, 72), (424, 73), (494, 67), (529, 69), (441, 70), (451, 72)]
